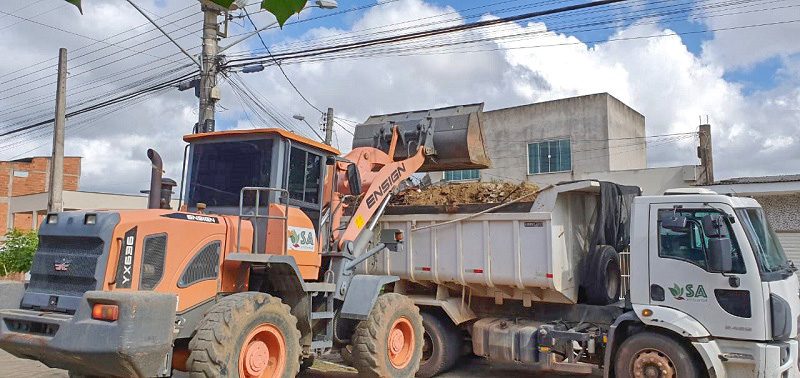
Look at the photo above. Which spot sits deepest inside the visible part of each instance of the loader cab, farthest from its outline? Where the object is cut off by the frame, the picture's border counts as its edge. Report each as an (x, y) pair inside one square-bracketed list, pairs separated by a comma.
[(221, 164)]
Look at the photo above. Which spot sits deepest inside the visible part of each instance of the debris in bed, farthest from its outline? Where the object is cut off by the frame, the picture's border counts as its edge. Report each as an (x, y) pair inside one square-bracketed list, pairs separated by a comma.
[(444, 193)]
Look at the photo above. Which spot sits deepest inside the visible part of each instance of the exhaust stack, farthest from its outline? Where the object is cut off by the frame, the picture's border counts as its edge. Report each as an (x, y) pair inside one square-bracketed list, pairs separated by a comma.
[(157, 167)]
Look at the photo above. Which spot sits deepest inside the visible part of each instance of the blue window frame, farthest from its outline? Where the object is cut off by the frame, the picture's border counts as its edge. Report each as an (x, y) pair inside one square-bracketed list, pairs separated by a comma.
[(549, 156), (462, 175)]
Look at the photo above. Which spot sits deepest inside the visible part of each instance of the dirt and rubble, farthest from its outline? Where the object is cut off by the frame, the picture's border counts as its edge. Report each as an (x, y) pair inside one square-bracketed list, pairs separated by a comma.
[(464, 193)]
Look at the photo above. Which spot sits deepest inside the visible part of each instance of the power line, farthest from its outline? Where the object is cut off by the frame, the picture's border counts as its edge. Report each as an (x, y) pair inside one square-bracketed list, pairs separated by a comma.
[(279, 65)]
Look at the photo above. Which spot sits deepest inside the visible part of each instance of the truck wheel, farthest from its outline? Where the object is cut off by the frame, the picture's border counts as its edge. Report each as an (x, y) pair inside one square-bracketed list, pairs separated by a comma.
[(246, 335), (388, 344), (603, 276), (650, 354), (442, 346)]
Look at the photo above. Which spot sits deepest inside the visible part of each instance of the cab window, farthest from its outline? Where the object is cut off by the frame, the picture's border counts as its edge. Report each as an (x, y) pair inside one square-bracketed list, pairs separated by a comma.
[(304, 176), (689, 242)]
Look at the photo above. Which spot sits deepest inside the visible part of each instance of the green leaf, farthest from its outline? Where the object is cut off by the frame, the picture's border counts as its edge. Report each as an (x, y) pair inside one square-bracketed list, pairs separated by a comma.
[(283, 9), (16, 252), (76, 3), (676, 290), (223, 3)]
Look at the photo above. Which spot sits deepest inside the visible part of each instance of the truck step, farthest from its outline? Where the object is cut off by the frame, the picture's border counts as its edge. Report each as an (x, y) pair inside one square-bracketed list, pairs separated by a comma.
[(322, 315), (320, 286)]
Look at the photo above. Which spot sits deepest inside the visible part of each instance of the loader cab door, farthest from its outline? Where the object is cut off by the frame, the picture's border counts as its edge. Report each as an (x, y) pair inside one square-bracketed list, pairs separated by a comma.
[(685, 276)]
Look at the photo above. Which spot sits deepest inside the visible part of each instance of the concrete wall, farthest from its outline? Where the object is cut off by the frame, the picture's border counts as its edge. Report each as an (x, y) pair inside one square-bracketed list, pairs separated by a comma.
[(588, 121), (23, 207), (783, 211), (626, 132), (653, 181)]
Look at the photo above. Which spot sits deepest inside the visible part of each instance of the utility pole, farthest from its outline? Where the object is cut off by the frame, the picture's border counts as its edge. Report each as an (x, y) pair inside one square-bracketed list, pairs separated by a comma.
[(705, 153), (209, 93), (329, 127), (55, 202)]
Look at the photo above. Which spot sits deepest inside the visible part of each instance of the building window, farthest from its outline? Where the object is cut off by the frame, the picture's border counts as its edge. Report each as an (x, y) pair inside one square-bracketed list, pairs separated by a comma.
[(549, 156), (462, 175)]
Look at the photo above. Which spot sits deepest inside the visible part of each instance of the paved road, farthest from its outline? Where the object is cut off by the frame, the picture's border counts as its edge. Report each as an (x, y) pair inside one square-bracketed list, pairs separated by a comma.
[(12, 367)]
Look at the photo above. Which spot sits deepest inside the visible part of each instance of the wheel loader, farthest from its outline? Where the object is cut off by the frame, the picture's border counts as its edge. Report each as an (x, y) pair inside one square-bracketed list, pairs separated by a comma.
[(253, 275)]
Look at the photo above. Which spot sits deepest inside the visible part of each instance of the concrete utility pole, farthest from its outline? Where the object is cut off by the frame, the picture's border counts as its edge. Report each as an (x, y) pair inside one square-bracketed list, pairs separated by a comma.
[(209, 93), (705, 153), (329, 127), (55, 202)]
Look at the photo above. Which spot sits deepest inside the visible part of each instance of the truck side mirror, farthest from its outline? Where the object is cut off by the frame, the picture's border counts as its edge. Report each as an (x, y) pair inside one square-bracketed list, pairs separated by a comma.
[(674, 222), (353, 179), (720, 256)]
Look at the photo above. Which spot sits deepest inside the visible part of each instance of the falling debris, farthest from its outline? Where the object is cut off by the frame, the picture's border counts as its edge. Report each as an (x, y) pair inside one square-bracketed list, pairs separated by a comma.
[(464, 193)]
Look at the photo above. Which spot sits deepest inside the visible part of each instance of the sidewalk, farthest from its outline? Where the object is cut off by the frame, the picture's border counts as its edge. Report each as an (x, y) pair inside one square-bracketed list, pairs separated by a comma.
[(12, 367)]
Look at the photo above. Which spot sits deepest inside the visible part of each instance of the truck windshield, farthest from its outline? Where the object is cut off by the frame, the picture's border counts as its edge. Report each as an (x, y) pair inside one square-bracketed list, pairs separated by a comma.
[(220, 170), (763, 240)]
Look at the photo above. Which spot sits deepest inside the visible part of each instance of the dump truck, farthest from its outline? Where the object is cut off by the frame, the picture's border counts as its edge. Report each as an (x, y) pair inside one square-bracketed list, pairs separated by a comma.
[(591, 277), (253, 275)]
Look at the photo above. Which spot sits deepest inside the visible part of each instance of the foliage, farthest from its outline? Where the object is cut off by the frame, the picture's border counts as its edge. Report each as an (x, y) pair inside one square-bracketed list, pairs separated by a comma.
[(16, 252), (282, 9)]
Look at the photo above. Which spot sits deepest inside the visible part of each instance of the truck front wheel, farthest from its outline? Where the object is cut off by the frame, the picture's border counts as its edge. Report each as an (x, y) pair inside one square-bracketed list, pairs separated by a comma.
[(388, 344), (649, 354), (246, 335)]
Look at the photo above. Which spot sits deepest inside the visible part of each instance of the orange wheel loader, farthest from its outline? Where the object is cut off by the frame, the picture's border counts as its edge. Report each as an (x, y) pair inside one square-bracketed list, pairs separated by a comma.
[(253, 276)]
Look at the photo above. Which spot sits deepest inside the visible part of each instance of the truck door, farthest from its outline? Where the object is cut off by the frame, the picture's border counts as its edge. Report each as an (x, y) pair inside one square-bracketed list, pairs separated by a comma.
[(726, 303)]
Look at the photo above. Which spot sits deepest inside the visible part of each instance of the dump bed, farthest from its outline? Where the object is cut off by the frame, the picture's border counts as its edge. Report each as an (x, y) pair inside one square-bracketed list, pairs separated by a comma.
[(531, 255)]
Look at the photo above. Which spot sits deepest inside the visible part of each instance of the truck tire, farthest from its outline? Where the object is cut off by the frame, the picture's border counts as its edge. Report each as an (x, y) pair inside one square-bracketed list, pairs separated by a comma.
[(388, 344), (442, 347), (649, 354), (603, 282), (246, 335)]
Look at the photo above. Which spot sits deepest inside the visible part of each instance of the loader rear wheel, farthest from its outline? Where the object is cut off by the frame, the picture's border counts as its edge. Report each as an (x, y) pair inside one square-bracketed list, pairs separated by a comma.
[(246, 335), (442, 347), (603, 280), (649, 354), (388, 343)]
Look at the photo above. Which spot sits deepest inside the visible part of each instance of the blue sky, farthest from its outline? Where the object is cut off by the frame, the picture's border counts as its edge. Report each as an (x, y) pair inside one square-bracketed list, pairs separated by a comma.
[(760, 76)]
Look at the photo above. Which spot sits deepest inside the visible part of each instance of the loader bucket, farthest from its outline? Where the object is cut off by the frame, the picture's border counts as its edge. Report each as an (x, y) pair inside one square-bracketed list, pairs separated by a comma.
[(453, 136)]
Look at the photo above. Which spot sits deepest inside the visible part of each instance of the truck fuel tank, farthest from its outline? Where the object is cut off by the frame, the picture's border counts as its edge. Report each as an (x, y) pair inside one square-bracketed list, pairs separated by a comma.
[(452, 136)]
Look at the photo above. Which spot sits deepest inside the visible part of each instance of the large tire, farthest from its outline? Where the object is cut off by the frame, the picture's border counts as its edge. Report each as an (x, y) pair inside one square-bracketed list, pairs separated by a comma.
[(603, 281), (442, 347), (388, 344), (246, 335), (659, 355)]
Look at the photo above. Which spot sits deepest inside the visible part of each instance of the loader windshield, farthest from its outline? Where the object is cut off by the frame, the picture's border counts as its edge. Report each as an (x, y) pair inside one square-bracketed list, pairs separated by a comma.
[(220, 170)]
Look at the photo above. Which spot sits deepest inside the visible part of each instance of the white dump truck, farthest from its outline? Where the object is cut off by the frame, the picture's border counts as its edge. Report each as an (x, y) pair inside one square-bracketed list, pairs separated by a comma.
[(592, 277)]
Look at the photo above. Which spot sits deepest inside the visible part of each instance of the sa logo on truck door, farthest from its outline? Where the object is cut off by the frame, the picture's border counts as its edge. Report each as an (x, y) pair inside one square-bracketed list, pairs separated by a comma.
[(689, 293)]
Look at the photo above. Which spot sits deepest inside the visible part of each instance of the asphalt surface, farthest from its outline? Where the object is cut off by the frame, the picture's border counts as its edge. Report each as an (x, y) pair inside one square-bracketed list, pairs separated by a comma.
[(13, 367)]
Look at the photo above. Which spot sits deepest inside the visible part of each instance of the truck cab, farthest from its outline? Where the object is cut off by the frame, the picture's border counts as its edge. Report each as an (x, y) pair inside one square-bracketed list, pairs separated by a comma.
[(709, 268)]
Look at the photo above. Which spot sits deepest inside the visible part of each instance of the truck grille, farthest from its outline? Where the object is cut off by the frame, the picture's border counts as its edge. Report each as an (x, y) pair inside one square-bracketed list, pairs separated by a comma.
[(65, 265)]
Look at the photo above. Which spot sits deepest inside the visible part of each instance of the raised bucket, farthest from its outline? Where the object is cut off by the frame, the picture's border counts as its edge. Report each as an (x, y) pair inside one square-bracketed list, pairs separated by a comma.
[(456, 140)]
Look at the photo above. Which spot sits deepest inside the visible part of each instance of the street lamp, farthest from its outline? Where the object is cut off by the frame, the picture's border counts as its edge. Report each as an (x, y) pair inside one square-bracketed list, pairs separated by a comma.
[(322, 4), (303, 119)]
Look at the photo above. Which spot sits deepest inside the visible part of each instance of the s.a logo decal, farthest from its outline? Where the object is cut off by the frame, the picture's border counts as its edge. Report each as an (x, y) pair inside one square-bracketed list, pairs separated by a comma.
[(301, 239)]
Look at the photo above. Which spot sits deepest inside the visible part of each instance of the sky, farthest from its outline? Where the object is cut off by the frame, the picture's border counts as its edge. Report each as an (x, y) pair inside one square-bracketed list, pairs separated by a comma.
[(736, 62)]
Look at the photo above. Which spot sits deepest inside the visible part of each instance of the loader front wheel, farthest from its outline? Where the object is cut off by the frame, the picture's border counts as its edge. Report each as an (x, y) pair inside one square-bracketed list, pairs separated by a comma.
[(389, 342), (246, 335)]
